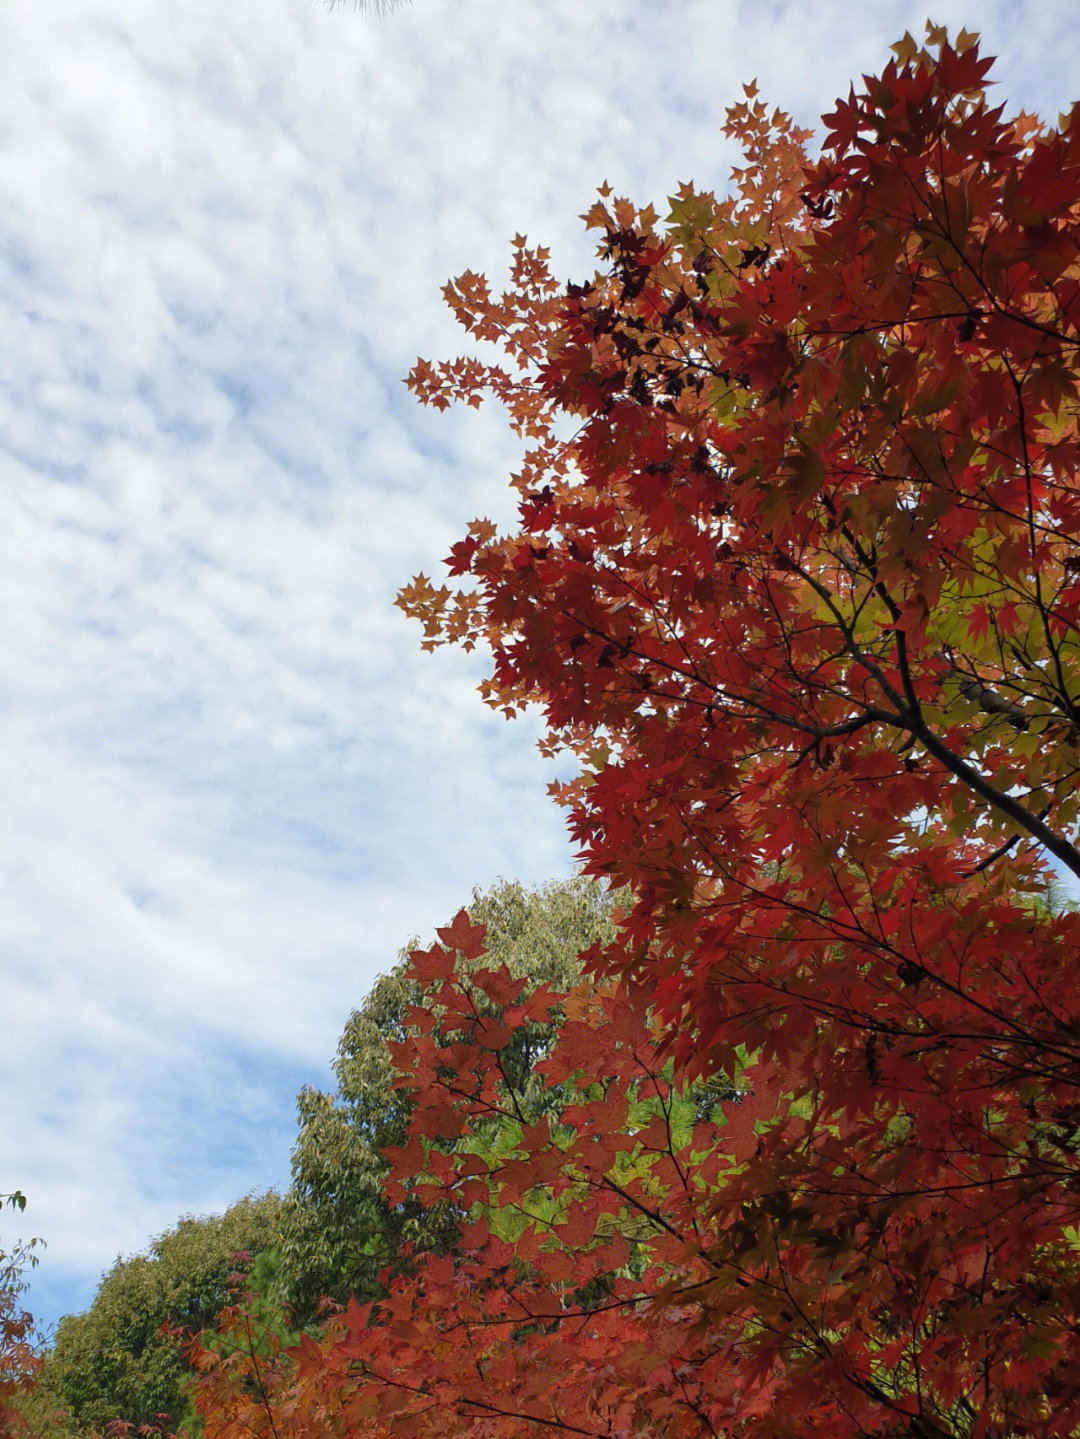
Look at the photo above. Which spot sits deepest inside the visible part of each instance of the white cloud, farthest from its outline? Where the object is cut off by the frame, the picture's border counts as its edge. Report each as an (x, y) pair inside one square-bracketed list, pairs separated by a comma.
[(232, 786)]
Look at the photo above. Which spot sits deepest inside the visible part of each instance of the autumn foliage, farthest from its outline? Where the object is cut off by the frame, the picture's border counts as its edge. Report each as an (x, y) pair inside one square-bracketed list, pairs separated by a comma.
[(796, 581), (19, 1361)]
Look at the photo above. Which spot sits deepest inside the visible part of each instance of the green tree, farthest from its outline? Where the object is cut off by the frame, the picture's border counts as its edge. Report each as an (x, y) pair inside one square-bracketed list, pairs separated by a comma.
[(115, 1361), (338, 1231)]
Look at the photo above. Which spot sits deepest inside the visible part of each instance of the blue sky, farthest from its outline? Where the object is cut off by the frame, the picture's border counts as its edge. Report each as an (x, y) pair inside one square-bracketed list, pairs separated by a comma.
[(232, 786)]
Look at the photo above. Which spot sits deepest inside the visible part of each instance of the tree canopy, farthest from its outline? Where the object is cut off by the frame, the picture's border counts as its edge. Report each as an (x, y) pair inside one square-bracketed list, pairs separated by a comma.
[(795, 582), (115, 1362)]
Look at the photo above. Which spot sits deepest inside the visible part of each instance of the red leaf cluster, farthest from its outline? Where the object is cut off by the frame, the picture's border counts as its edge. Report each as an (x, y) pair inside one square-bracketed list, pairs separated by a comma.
[(19, 1361)]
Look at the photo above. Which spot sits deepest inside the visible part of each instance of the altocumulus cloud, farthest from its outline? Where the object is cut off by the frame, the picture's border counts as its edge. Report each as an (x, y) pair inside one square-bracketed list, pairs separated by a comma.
[(232, 786)]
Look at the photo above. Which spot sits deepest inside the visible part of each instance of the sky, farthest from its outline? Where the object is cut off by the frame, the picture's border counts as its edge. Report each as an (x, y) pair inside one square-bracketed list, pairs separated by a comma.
[(231, 786)]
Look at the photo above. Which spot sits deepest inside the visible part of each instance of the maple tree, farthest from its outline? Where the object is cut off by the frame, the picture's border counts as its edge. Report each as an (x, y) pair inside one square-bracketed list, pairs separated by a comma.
[(797, 581)]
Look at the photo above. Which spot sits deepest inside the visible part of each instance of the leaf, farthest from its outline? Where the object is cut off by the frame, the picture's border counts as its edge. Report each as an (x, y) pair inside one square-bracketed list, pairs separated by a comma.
[(464, 936)]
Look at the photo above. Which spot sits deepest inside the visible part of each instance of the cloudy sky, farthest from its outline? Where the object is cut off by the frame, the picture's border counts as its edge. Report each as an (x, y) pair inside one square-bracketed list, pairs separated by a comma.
[(231, 785)]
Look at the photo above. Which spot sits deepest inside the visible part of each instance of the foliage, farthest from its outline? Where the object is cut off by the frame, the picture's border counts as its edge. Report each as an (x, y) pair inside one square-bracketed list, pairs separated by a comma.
[(23, 1255), (19, 1361), (119, 1361), (575, 1190), (801, 591), (799, 588), (338, 1230)]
